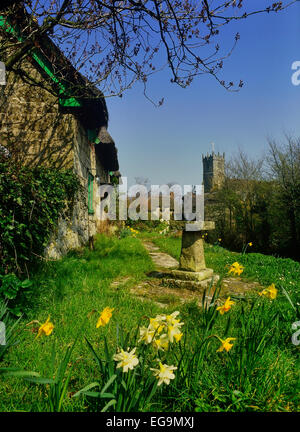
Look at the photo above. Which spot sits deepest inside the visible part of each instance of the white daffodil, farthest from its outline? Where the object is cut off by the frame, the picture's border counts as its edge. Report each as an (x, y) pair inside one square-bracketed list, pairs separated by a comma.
[(146, 334), (164, 374), (127, 360)]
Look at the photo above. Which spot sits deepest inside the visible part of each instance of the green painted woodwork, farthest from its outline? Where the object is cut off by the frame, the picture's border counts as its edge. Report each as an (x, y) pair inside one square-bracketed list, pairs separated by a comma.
[(90, 193)]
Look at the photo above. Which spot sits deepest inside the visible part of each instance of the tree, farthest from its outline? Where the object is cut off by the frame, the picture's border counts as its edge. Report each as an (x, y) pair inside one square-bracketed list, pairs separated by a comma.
[(260, 200), (116, 43), (284, 167), (240, 206), (242, 167)]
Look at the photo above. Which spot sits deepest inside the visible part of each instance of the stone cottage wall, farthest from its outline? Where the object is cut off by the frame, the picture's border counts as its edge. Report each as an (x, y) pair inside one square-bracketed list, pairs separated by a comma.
[(31, 126), (76, 232), (36, 133)]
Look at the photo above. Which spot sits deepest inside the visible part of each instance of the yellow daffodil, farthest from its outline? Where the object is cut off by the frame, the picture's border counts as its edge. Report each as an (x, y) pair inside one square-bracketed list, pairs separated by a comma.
[(178, 336), (171, 319), (226, 306), (161, 343), (236, 268), (226, 345), (250, 244), (173, 326), (155, 328), (270, 292), (219, 239), (164, 374), (127, 360), (105, 316), (46, 328), (156, 324), (153, 333), (174, 332)]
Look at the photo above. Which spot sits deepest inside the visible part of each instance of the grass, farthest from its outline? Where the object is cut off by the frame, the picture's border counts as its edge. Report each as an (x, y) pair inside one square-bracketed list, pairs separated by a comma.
[(260, 373), (265, 269), (68, 290)]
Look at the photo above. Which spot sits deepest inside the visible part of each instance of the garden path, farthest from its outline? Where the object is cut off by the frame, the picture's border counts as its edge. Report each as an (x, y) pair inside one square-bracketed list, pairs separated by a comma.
[(155, 290)]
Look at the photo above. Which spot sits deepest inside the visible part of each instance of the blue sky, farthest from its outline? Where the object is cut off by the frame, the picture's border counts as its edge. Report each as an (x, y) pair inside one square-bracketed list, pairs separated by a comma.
[(165, 144)]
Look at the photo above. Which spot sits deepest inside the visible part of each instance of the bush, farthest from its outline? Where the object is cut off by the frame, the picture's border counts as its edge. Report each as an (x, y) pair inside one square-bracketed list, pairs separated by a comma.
[(15, 292), (31, 201)]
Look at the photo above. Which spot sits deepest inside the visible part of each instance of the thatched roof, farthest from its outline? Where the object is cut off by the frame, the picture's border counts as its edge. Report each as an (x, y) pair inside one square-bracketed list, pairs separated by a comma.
[(106, 150)]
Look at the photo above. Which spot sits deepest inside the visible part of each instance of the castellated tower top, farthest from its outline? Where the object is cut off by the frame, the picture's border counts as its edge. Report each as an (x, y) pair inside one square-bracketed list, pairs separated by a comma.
[(213, 171)]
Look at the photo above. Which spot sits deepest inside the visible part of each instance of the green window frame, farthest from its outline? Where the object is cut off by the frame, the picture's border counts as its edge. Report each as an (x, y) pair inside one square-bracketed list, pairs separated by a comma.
[(90, 193)]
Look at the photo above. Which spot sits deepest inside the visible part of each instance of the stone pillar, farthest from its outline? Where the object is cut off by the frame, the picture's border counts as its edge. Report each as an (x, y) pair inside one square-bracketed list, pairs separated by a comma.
[(192, 272), (192, 251)]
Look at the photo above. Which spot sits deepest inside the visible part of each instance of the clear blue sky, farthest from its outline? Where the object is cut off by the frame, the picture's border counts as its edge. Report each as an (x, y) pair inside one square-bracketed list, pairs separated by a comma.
[(165, 144)]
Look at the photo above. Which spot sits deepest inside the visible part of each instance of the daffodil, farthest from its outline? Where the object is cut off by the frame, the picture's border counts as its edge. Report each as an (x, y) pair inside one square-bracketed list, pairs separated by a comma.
[(161, 343), (46, 328), (156, 324), (174, 332), (226, 306), (171, 319), (226, 345), (178, 336), (146, 334), (127, 360), (155, 327), (270, 292), (164, 374), (105, 316), (250, 244), (162, 323), (236, 268), (173, 327)]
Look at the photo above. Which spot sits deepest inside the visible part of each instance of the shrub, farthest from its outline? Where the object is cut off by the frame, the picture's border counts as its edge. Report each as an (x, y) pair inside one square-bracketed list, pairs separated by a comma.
[(15, 292), (31, 201)]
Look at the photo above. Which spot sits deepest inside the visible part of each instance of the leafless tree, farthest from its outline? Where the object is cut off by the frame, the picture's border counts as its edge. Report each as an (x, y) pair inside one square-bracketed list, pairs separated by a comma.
[(116, 43), (242, 167)]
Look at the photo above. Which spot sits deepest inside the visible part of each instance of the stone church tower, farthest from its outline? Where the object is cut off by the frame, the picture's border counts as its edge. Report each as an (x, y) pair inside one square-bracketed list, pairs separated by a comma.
[(213, 171)]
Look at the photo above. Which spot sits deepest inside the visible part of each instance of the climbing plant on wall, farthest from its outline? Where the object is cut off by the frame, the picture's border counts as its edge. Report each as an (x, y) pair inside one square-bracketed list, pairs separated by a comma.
[(31, 201)]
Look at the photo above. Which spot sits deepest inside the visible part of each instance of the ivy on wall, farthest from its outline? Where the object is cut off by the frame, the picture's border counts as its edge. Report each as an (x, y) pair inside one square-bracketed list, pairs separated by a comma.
[(31, 201)]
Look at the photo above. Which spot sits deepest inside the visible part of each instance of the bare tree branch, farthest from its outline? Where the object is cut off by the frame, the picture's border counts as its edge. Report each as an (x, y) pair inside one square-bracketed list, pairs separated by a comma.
[(117, 43)]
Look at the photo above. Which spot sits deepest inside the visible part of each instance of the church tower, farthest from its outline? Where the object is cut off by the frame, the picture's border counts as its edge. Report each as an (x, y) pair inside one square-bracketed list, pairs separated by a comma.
[(213, 171)]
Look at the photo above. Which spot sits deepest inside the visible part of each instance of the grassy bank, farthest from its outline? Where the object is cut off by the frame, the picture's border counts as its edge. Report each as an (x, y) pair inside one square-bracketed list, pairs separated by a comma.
[(265, 269), (259, 373)]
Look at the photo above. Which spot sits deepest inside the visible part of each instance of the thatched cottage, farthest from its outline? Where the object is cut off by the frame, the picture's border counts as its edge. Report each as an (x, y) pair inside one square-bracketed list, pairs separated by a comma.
[(51, 115)]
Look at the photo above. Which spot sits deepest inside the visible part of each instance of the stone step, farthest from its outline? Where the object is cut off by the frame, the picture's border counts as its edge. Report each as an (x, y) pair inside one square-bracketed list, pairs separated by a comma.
[(191, 285), (163, 260), (189, 275)]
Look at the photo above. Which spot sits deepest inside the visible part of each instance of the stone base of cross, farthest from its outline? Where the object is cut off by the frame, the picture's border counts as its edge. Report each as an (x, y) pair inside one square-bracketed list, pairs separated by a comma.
[(192, 272)]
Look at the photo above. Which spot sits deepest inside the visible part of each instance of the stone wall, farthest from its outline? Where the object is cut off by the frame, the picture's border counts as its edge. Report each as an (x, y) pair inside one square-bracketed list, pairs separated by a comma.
[(36, 133), (83, 225), (31, 126)]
